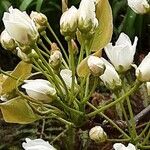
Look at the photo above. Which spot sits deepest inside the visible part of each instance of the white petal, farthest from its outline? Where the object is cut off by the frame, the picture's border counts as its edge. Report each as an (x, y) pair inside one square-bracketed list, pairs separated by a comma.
[(123, 40), (131, 147), (119, 146)]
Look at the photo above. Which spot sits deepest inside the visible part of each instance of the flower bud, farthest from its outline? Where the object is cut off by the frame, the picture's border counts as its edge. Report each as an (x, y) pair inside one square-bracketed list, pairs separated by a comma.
[(37, 144), (40, 20), (7, 41), (33, 54), (120, 146), (98, 134), (40, 89), (68, 22), (139, 6), (20, 27), (22, 55), (55, 59), (87, 20), (96, 65), (143, 70)]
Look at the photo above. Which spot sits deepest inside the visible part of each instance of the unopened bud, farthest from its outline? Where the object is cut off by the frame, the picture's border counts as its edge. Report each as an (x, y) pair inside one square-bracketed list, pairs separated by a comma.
[(40, 20), (7, 41), (68, 22), (33, 54), (98, 134), (87, 21), (55, 59), (96, 65), (22, 55)]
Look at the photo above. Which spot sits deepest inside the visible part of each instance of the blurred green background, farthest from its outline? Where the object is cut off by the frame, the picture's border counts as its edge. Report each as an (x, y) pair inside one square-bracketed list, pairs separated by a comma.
[(125, 20)]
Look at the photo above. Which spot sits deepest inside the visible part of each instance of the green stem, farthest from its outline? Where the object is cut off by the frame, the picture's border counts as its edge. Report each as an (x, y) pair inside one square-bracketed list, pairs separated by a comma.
[(58, 136), (118, 140), (81, 53), (11, 76), (68, 108), (72, 66), (46, 38), (144, 130), (50, 70), (53, 33), (40, 42), (146, 138), (132, 120), (115, 125), (131, 91), (62, 120)]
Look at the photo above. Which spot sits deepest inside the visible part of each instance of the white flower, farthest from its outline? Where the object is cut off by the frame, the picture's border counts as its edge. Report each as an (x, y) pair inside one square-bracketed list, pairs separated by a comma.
[(66, 74), (40, 20), (120, 146), (98, 134), (68, 21), (20, 27), (7, 42), (40, 89), (86, 16), (122, 54), (37, 144), (96, 65), (143, 70), (110, 77), (139, 6)]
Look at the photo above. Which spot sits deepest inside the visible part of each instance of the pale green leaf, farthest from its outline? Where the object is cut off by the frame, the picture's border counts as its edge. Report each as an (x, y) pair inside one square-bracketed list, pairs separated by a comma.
[(17, 110), (104, 31), (22, 71)]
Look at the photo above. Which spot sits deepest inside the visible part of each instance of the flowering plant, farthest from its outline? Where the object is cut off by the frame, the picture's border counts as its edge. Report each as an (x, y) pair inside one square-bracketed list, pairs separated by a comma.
[(58, 83)]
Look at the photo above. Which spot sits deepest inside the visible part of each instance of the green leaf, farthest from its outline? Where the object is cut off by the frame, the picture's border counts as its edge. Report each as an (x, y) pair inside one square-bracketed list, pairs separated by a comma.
[(17, 110), (104, 31), (39, 5), (22, 71), (25, 4), (83, 69)]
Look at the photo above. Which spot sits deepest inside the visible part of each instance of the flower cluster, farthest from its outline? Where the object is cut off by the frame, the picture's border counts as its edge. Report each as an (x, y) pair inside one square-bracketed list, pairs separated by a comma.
[(83, 18)]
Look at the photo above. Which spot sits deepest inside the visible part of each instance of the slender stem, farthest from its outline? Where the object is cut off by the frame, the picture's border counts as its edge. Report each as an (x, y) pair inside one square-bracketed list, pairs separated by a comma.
[(81, 53), (49, 69), (62, 120), (48, 51), (144, 130), (11, 76), (46, 38), (118, 140), (43, 127), (86, 98), (132, 120), (53, 33), (144, 147), (131, 91), (68, 108), (146, 138), (72, 66), (58, 136), (124, 112), (115, 125), (40, 42)]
